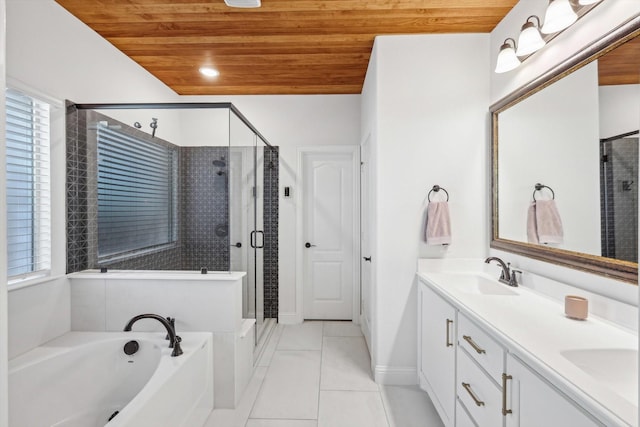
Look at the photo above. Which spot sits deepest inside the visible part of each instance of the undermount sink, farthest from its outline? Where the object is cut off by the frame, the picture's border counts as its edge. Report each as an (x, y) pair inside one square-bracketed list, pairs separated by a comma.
[(474, 284), (617, 368)]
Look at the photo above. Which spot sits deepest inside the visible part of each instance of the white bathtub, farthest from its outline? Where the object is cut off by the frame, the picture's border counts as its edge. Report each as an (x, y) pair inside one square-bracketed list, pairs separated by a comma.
[(81, 378)]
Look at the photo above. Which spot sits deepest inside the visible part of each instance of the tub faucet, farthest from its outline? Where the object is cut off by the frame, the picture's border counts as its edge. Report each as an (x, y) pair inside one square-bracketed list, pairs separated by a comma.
[(507, 276), (174, 340)]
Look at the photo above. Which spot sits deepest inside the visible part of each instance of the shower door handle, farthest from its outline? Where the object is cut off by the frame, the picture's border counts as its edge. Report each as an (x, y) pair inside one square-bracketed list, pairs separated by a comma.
[(261, 246), (254, 240)]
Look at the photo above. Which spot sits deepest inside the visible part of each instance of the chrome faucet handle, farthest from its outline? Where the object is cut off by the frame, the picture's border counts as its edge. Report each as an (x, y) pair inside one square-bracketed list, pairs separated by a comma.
[(513, 280)]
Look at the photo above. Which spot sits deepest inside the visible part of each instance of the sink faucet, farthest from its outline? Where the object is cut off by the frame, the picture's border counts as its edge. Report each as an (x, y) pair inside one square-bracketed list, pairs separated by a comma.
[(508, 276), (174, 340)]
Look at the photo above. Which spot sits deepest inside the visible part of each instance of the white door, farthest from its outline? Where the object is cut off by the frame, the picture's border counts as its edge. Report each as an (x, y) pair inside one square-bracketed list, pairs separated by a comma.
[(365, 242), (329, 233)]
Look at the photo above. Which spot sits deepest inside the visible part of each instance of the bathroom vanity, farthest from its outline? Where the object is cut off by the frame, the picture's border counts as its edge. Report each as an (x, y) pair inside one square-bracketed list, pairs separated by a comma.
[(493, 355)]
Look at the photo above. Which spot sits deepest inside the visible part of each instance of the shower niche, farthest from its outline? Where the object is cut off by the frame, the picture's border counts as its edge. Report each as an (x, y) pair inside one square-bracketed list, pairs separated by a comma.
[(174, 187)]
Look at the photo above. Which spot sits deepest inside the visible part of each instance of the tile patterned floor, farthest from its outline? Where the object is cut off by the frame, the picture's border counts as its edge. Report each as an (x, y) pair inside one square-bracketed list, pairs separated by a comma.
[(318, 374)]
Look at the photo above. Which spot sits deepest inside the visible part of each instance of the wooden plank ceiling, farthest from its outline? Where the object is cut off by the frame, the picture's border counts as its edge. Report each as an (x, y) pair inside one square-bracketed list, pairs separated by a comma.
[(283, 47), (621, 66)]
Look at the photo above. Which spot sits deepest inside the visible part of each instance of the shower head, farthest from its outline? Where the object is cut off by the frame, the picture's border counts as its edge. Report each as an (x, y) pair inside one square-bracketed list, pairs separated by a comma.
[(219, 163)]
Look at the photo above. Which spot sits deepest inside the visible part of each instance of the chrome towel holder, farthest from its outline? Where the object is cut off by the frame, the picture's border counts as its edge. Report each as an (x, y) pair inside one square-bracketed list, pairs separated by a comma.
[(539, 187), (435, 189)]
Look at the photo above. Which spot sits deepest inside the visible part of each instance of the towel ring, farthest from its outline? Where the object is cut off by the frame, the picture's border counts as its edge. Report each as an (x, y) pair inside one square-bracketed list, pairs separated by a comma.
[(437, 188), (539, 187)]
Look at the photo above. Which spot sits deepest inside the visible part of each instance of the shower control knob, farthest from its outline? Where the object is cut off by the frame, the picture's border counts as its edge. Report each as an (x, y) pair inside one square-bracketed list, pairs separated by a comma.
[(367, 258), (237, 245), (309, 245)]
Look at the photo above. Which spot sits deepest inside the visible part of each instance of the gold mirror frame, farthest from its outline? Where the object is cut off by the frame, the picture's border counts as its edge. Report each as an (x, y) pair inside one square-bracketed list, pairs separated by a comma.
[(615, 269)]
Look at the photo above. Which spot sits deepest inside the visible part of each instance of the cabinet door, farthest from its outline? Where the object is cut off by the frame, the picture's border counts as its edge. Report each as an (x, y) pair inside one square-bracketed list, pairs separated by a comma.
[(437, 352), (535, 403)]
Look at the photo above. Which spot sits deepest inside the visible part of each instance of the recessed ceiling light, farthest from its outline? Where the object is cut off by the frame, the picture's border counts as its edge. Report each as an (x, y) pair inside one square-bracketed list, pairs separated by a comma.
[(209, 72)]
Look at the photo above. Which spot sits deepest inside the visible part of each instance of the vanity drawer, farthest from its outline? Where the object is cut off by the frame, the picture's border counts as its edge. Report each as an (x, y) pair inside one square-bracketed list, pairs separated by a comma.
[(481, 347), (481, 397)]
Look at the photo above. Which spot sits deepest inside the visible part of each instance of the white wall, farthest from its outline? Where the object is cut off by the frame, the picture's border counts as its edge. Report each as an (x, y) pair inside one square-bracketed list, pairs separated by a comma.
[(619, 109), (606, 16), (84, 68), (552, 138), (4, 331), (430, 126)]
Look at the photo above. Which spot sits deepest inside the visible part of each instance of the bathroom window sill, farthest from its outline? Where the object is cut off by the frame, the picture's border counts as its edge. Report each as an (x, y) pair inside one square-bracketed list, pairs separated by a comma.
[(16, 284)]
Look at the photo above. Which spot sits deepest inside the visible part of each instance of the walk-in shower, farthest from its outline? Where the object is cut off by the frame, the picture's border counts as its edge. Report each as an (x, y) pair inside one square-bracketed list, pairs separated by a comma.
[(199, 192), (619, 196)]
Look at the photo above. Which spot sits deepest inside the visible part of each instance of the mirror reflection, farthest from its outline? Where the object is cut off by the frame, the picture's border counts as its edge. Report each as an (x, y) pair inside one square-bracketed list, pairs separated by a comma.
[(578, 138)]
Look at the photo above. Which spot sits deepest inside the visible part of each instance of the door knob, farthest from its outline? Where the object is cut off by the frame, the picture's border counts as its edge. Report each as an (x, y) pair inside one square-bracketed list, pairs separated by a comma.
[(366, 258), (309, 245), (237, 245)]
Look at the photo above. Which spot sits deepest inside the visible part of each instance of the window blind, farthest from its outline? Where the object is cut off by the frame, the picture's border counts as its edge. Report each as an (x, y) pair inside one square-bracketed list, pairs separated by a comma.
[(137, 193), (28, 185)]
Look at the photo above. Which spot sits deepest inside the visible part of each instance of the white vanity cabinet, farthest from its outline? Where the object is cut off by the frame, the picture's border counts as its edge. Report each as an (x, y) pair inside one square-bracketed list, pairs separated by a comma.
[(532, 402), (479, 368), (437, 355), (476, 378)]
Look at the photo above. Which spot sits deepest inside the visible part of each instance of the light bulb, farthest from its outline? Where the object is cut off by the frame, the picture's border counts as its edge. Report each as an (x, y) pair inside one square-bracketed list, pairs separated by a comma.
[(530, 39), (507, 59), (209, 72), (559, 15)]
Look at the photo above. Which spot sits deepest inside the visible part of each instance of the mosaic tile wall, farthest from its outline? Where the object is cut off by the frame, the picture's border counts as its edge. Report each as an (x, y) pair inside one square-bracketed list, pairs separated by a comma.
[(270, 208), (205, 208), (203, 236), (76, 190), (619, 209)]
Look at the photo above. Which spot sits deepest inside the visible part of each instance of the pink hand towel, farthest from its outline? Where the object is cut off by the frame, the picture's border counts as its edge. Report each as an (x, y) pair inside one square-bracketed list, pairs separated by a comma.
[(548, 222), (532, 230), (438, 227)]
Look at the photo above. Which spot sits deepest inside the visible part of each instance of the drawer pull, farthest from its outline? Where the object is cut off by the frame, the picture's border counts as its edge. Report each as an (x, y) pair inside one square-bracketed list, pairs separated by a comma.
[(449, 343), (467, 387), (505, 411), (473, 344)]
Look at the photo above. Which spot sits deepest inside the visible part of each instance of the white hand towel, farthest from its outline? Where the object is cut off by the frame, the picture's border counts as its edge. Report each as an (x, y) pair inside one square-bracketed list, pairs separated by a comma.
[(438, 227), (548, 222), (532, 231)]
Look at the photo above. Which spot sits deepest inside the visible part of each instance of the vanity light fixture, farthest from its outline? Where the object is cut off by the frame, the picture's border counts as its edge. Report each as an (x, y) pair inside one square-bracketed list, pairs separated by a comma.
[(209, 72), (530, 39), (507, 58), (559, 15)]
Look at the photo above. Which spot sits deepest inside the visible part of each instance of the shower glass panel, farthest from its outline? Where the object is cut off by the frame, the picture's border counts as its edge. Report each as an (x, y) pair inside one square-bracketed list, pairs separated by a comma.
[(204, 165), (246, 216)]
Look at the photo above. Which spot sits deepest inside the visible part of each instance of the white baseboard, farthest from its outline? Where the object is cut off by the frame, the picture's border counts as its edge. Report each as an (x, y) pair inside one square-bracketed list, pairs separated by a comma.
[(289, 318), (389, 375)]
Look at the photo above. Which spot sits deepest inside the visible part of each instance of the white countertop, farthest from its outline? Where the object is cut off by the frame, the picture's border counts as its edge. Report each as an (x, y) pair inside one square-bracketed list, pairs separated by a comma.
[(534, 328)]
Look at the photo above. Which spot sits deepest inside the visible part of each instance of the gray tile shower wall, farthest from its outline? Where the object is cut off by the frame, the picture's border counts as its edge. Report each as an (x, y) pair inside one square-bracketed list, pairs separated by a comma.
[(619, 204), (77, 223), (204, 212), (270, 209)]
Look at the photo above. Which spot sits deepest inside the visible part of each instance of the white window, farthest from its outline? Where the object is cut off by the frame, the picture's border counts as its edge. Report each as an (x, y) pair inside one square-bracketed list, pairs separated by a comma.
[(28, 186), (137, 194)]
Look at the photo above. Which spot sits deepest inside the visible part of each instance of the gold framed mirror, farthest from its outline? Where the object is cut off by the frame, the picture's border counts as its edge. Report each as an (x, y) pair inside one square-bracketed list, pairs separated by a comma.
[(553, 138)]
